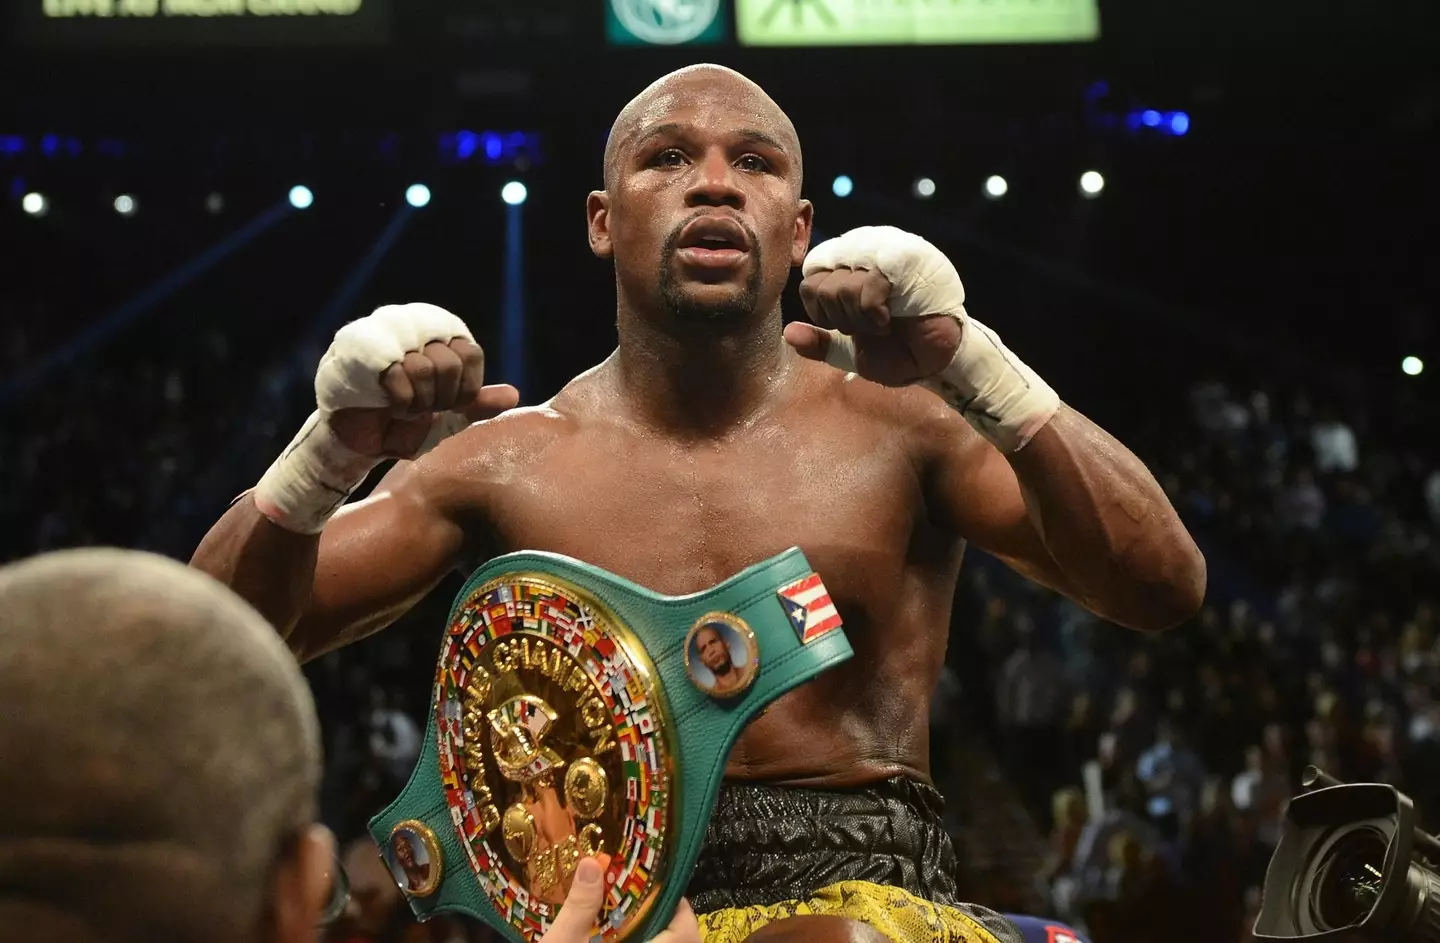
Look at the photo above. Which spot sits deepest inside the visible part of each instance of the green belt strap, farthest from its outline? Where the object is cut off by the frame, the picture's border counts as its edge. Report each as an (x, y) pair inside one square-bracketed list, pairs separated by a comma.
[(574, 713)]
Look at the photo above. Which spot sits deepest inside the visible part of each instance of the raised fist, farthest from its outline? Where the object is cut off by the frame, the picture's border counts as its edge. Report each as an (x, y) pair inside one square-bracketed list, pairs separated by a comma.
[(394, 383)]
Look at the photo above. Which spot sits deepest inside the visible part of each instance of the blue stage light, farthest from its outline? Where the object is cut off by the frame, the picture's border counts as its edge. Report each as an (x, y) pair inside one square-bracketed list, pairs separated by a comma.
[(514, 193)]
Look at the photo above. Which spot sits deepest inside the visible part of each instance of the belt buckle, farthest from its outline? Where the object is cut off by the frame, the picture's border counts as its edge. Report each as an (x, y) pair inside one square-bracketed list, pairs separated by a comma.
[(555, 743)]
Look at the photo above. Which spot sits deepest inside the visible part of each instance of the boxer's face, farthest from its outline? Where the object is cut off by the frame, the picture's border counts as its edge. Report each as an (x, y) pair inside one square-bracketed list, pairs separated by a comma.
[(714, 653), (705, 147), (404, 853)]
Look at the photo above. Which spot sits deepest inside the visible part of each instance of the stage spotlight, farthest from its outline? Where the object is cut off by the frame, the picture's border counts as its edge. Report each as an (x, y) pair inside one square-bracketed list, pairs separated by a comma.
[(996, 186), (514, 193), (843, 186), (301, 198), (924, 188), (1091, 183), (214, 203), (35, 204), (125, 205), (417, 195), (1150, 118), (1413, 366), (1179, 123)]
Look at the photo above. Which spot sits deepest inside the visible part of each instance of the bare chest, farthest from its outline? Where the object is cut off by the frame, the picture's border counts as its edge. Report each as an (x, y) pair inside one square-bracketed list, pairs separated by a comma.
[(679, 519)]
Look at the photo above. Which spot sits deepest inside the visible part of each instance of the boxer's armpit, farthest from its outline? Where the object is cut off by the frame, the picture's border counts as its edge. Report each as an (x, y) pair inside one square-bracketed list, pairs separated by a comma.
[(972, 493), (379, 557)]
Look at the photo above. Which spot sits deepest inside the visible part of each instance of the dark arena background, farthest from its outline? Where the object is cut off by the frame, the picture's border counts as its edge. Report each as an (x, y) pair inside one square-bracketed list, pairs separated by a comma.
[(1211, 226)]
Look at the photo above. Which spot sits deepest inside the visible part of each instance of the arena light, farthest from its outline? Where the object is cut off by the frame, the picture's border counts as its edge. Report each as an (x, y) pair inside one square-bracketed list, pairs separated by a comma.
[(1091, 183), (214, 203), (35, 204), (996, 186), (1150, 118), (843, 186), (514, 193), (125, 205), (301, 198), (924, 188), (1179, 123), (417, 195), (1413, 366)]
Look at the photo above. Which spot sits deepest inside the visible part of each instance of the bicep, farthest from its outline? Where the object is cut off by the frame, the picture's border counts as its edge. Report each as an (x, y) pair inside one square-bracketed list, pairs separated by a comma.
[(974, 493), (378, 558)]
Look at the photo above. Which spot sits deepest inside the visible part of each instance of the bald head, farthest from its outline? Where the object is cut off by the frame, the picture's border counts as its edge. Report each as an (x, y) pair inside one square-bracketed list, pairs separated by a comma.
[(167, 750), (690, 84)]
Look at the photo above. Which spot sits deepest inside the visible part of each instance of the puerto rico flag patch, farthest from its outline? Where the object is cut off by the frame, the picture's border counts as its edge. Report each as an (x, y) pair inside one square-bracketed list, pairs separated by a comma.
[(809, 607), (1061, 935)]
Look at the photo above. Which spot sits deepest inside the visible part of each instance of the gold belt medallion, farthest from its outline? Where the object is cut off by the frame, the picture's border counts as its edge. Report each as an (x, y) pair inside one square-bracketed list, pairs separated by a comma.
[(554, 744)]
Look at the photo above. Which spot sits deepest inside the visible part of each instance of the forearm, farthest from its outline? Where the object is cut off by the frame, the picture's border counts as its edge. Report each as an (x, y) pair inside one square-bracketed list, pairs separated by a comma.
[(1108, 525), (271, 568)]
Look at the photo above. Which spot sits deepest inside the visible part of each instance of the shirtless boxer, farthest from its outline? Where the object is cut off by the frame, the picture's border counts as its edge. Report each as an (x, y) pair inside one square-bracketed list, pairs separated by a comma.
[(712, 439), (715, 655)]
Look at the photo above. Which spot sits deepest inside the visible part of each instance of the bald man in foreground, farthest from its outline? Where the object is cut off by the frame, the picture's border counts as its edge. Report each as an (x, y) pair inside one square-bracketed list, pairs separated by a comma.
[(159, 760), (879, 439)]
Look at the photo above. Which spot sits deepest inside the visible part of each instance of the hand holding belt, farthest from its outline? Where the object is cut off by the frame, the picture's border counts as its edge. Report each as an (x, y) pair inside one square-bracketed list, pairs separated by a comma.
[(576, 713)]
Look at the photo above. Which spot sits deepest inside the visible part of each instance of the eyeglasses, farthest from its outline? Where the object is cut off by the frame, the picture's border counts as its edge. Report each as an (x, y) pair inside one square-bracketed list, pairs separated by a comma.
[(339, 895), (339, 880)]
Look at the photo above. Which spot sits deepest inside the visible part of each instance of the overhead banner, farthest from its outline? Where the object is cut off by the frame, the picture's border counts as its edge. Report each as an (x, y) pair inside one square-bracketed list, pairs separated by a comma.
[(914, 22), (204, 22), (664, 22)]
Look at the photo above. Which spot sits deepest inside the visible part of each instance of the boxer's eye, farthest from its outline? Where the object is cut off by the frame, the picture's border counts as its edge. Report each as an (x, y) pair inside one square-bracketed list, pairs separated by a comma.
[(670, 157), (754, 163)]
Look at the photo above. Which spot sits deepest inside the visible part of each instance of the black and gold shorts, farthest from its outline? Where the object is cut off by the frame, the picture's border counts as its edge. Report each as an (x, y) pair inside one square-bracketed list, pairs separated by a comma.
[(879, 855)]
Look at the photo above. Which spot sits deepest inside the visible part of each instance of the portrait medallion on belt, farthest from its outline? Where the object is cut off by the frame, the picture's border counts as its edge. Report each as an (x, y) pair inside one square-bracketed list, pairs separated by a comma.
[(554, 745)]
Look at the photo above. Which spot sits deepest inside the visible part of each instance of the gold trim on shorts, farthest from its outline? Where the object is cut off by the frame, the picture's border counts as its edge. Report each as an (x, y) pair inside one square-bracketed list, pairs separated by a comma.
[(898, 914)]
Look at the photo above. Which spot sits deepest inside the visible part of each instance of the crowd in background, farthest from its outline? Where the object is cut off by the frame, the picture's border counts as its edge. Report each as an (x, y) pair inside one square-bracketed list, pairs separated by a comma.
[(1162, 765), (1159, 765)]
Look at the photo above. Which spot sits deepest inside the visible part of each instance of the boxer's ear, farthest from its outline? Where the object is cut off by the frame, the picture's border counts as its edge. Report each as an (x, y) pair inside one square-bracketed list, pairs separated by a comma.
[(804, 218), (597, 216)]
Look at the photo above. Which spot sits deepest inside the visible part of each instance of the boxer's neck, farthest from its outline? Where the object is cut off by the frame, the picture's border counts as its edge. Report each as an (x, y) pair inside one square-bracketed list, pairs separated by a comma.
[(699, 381)]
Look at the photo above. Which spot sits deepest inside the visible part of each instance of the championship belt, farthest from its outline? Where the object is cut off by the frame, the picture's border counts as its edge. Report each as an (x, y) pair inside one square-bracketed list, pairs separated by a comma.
[(576, 714)]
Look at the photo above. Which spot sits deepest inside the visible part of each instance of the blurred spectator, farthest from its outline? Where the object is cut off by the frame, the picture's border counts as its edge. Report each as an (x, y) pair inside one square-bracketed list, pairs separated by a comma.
[(394, 738), (1031, 708), (1172, 776)]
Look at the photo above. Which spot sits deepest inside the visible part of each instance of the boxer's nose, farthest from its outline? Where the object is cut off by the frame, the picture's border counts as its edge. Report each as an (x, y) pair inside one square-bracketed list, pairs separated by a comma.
[(715, 183)]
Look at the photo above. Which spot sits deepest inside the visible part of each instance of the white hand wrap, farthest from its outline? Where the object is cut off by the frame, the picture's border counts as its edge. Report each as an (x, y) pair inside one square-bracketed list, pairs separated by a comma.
[(316, 473), (1002, 398)]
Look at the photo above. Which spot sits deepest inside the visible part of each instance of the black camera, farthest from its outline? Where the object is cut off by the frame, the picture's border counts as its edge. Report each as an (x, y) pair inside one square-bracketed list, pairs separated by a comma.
[(1351, 866)]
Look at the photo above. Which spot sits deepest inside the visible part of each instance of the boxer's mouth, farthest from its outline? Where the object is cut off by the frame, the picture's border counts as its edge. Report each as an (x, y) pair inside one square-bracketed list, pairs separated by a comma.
[(713, 242)]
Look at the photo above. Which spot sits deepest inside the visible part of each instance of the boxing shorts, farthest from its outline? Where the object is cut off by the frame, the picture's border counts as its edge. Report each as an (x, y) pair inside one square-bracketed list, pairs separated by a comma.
[(577, 714), (878, 854)]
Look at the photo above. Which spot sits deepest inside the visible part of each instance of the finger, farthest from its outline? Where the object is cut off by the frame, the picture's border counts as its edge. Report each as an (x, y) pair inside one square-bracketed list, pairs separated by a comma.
[(422, 378), (582, 905), (397, 389), (683, 928), (491, 401), (448, 368), (809, 341), (875, 300), (810, 298), (473, 373), (847, 296), (830, 303)]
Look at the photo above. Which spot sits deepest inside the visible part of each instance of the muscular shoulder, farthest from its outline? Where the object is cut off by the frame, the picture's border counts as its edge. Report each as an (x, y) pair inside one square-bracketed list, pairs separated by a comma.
[(926, 427), (497, 451)]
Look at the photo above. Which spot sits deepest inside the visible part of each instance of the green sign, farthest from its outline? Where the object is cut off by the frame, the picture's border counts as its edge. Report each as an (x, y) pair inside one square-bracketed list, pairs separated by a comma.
[(664, 22), (911, 22)]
